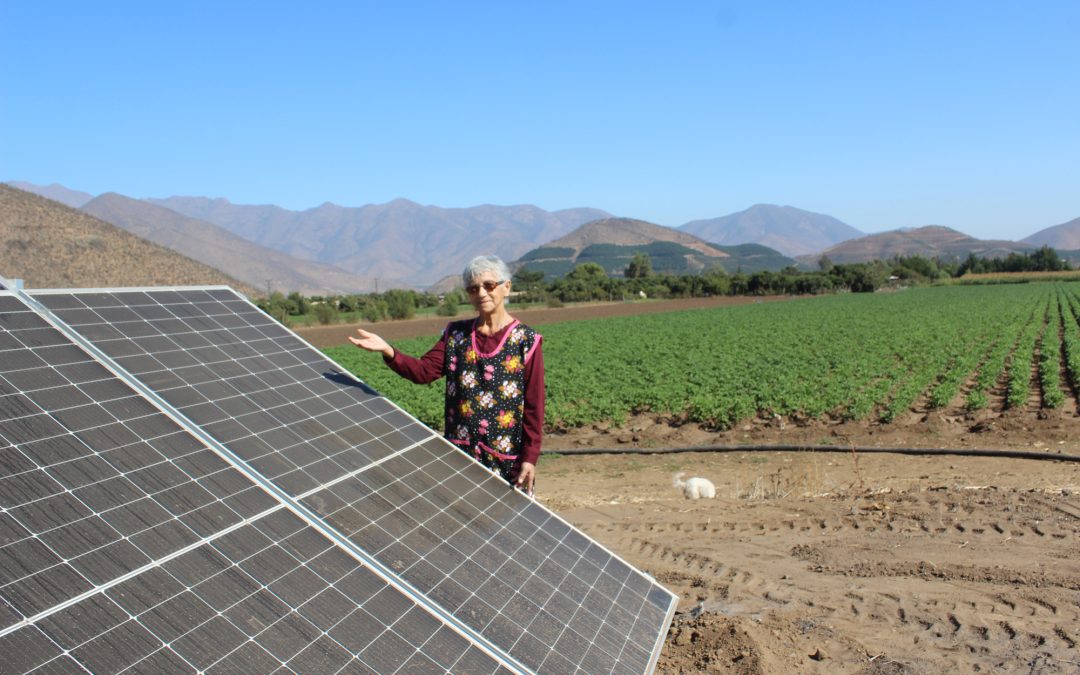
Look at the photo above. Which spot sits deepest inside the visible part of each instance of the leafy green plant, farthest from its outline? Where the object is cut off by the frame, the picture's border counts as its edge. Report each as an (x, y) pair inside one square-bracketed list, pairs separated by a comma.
[(852, 356)]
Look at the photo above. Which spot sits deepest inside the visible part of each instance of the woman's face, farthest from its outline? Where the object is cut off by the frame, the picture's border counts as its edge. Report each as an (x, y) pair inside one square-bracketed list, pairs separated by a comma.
[(487, 292)]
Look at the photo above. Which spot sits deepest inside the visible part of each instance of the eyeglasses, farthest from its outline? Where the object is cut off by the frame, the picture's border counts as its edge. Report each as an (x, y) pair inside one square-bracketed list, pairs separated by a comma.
[(488, 286)]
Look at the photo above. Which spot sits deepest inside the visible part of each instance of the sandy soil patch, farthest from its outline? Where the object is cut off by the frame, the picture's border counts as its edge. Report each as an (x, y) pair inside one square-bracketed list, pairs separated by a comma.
[(841, 562)]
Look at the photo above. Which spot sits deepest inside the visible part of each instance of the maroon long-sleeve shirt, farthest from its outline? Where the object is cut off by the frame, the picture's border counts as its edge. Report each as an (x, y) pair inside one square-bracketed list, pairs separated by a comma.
[(429, 368)]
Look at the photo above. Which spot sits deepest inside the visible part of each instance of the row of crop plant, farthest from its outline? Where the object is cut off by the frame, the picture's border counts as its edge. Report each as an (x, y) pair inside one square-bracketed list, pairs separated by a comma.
[(851, 356)]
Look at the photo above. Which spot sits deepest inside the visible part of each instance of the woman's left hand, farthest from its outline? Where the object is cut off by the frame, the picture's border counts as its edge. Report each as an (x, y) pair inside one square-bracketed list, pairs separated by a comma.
[(525, 477)]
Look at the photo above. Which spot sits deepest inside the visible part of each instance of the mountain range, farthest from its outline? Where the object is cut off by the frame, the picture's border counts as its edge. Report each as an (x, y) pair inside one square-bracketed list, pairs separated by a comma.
[(335, 249), (260, 266), (399, 243), (50, 245)]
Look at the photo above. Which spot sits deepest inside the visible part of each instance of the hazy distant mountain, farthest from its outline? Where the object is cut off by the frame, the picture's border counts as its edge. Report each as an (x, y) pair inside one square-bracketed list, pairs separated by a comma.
[(257, 265), (787, 229), (397, 240), (1061, 237), (55, 192), (402, 243), (613, 242), (930, 241), (50, 245)]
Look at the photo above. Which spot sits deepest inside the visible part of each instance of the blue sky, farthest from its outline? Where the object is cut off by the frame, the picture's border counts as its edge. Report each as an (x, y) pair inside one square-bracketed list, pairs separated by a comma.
[(882, 114)]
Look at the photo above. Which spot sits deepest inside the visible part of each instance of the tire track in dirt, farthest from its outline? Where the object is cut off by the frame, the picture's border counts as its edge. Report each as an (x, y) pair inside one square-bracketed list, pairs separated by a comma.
[(864, 565)]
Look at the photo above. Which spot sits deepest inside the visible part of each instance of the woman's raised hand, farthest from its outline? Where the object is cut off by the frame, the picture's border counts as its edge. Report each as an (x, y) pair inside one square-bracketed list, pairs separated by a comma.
[(372, 343)]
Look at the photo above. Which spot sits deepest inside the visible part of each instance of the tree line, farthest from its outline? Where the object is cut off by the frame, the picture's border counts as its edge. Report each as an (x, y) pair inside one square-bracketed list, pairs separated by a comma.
[(590, 282)]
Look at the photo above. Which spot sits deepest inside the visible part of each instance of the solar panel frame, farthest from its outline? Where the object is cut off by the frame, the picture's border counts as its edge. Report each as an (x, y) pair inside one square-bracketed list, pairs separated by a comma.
[(229, 430), (39, 624)]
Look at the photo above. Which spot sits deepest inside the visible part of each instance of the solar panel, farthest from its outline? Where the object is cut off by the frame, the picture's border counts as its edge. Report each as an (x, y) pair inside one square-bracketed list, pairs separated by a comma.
[(485, 558), (125, 542)]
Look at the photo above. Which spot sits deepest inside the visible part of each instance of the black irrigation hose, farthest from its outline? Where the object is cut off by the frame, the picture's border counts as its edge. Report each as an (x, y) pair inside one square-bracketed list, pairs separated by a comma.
[(960, 452)]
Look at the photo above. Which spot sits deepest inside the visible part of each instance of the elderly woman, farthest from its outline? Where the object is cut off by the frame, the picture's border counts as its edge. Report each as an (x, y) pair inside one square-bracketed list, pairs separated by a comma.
[(494, 371)]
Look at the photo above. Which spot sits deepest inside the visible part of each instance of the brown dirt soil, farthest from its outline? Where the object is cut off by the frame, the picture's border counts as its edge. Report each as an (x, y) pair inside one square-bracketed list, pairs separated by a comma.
[(840, 562), (843, 562)]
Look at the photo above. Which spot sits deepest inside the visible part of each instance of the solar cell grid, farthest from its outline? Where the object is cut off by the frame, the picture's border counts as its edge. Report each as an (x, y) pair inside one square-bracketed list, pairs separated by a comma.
[(487, 556), (125, 542), (472, 545), (270, 595), (224, 383), (94, 487)]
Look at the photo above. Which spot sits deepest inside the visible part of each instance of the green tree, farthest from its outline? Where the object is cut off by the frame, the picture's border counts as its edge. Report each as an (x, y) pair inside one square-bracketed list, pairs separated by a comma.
[(326, 312), (972, 265), (1046, 260), (715, 281), (588, 272), (350, 303), (587, 281), (400, 304), (528, 280), (373, 310), (276, 306), (298, 304), (450, 303), (640, 267)]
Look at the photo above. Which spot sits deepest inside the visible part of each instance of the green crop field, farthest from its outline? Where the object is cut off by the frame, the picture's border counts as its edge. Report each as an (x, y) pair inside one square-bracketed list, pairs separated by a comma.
[(852, 356)]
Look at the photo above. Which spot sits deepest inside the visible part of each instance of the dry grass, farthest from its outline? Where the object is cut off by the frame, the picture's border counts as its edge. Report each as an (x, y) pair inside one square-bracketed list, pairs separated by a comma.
[(784, 482), (1017, 277)]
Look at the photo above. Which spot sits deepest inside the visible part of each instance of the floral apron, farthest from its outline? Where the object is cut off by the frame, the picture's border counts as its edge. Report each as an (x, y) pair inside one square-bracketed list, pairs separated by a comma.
[(485, 394)]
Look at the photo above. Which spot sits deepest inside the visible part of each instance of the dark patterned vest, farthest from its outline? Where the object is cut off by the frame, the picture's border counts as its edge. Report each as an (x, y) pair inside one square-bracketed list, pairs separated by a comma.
[(485, 394)]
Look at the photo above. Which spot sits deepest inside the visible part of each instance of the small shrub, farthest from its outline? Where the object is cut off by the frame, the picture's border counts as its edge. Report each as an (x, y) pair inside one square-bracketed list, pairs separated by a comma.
[(326, 313), (373, 311)]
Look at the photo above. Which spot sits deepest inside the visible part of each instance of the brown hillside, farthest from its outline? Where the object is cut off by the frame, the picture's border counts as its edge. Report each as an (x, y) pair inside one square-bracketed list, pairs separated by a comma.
[(1064, 237), (50, 245), (630, 232), (930, 241)]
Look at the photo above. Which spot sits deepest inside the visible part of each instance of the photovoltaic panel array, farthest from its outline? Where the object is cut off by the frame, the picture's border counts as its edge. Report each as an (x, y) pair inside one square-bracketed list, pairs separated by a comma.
[(489, 560), (126, 543)]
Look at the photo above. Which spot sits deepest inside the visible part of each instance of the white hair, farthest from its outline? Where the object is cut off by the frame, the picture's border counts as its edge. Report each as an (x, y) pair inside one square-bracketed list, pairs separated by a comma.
[(485, 263)]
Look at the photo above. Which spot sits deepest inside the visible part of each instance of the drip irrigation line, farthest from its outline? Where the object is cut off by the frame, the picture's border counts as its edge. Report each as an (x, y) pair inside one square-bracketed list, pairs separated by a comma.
[(959, 452)]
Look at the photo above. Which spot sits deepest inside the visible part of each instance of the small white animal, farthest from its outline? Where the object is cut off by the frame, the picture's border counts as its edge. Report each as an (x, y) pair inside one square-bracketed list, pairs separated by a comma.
[(694, 488)]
